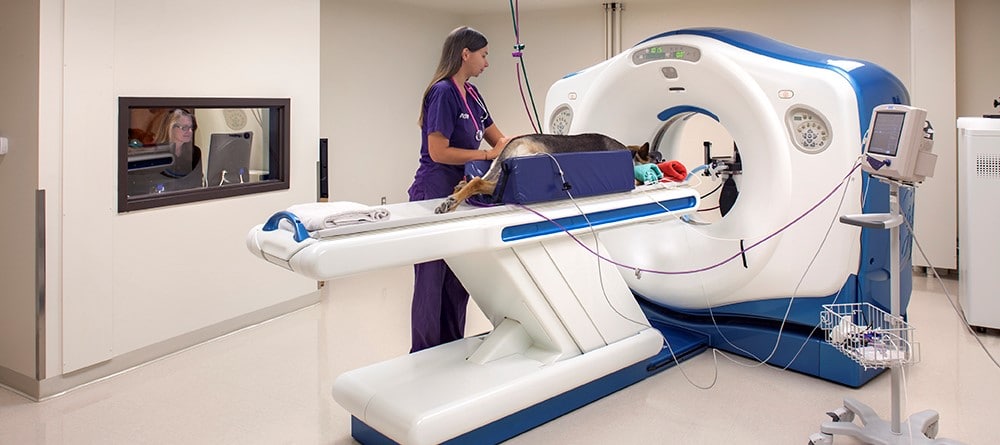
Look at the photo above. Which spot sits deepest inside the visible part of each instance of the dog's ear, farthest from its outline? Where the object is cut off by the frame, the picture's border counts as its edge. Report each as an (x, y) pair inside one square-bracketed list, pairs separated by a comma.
[(640, 153)]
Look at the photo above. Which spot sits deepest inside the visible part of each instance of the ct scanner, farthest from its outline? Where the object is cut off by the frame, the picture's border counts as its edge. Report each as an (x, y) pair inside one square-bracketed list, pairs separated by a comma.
[(570, 328), (798, 118)]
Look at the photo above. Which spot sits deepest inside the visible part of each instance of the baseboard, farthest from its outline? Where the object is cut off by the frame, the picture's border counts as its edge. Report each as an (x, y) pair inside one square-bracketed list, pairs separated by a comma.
[(56, 386), (18, 383)]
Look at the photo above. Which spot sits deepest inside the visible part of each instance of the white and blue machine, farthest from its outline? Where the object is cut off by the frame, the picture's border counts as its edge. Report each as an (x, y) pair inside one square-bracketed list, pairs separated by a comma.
[(570, 328), (798, 118)]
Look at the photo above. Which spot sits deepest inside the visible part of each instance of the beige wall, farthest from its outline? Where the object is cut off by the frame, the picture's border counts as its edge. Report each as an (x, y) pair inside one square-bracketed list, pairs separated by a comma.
[(568, 39), (932, 87), (18, 182), (900, 35), (978, 61), (559, 41), (119, 283), (129, 281), (562, 41), (377, 58)]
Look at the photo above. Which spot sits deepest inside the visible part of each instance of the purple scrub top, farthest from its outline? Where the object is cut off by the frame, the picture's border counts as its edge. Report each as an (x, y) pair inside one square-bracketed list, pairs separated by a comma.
[(445, 112)]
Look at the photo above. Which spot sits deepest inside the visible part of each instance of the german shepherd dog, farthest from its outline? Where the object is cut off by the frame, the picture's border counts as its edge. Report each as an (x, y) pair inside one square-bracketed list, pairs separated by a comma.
[(536, 144)]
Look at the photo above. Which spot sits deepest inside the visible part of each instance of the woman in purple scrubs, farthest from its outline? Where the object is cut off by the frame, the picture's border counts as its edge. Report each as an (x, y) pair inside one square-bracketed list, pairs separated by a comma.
[(454, 120)]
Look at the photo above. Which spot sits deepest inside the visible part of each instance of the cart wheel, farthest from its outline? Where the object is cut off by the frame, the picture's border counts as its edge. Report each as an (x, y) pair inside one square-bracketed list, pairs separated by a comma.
[(821, 439), (841, 414), (931, 431)]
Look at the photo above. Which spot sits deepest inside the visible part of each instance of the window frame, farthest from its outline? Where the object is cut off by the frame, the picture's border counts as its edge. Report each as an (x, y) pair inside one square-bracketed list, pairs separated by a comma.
[(278, 150)]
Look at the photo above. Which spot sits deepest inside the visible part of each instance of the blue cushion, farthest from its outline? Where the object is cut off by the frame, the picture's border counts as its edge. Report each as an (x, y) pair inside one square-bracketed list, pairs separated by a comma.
[(536, 178)]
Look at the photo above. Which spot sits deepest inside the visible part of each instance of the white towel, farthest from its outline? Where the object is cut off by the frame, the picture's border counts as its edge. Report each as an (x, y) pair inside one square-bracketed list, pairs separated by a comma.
[(324, 215)]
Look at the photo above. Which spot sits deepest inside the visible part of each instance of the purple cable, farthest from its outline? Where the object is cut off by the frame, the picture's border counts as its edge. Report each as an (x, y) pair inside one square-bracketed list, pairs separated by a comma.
[(481, 201), (685, 272)]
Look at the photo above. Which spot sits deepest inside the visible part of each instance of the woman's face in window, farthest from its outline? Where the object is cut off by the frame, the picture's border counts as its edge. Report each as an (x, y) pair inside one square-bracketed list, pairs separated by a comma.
[(182, 131)]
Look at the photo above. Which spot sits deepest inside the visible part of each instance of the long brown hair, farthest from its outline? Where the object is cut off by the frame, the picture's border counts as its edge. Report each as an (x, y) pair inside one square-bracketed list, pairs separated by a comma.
[(451, 57), (168, 121)]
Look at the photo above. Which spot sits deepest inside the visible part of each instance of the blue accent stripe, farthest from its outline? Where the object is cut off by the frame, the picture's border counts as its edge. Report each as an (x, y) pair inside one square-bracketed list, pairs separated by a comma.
[(673, 111), (547, 227), (571, 74)]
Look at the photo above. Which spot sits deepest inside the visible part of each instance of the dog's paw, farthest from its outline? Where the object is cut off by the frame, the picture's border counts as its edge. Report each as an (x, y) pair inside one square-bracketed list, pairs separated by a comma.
[(446, 206)]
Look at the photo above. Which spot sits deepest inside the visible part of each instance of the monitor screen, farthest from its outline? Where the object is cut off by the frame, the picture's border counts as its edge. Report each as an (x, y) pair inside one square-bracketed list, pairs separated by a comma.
[(899, 144), (229, 158), (886, 131)]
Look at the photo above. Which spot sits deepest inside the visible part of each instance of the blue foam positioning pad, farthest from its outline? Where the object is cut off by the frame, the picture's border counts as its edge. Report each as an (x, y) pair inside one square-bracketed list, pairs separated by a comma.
[(533, 416), (536, 178), (475, 169)]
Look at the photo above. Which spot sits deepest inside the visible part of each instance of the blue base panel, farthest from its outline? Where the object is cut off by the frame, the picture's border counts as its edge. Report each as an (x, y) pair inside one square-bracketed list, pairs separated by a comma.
[(800, 348)]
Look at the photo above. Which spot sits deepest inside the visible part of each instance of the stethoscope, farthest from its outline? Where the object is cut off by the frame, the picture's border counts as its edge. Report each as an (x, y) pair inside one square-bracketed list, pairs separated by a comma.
[(482, 121)]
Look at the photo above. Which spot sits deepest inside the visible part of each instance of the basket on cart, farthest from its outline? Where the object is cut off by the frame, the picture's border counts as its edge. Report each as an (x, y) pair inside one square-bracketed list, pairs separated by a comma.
[(869, 335)]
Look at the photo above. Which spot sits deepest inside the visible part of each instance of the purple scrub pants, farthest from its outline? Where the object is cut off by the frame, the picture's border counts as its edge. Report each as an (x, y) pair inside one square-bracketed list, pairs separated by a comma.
[(439, 304), (437, 315)]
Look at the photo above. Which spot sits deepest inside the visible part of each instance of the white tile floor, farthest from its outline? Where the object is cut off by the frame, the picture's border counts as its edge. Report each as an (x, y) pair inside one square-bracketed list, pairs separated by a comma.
[(271, 385)]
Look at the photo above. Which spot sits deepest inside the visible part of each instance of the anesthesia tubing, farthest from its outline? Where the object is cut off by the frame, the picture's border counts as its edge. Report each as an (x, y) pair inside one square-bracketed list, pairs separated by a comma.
[(639, 270)]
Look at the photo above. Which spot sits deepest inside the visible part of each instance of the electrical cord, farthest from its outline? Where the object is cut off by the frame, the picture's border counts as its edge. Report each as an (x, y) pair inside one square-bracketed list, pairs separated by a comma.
[(752, 246), (677, 362), (706, 195), (666, 343), (794, 292), (959, 312), (523, 99), (791, 301), (600, 257), (519, 54), (597, 244), (906, 393), (711, 313)]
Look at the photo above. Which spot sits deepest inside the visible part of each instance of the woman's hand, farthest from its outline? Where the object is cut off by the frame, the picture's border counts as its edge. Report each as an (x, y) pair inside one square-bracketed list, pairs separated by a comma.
[(494, 152)]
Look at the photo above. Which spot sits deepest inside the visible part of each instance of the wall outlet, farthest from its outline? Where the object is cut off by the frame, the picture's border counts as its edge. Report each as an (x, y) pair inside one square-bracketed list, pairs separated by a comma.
[(3, 145)]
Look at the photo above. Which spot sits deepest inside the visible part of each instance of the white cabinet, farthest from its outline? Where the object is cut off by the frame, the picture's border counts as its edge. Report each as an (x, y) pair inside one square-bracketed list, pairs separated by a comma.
[(978, 219)]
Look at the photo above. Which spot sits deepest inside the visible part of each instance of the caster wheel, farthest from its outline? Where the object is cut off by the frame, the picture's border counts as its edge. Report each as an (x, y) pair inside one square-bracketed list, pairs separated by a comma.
[(931, 431), (841, 414), (821, 439)]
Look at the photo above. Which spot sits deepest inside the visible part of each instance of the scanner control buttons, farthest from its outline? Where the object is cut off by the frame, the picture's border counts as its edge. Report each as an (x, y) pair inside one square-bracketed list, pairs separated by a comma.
[(561, 119), (810, 132)]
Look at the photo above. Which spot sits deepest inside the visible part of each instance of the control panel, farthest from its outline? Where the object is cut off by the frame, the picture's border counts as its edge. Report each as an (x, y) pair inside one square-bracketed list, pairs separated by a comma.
[(666, 52), (810, 131), (561, 119)]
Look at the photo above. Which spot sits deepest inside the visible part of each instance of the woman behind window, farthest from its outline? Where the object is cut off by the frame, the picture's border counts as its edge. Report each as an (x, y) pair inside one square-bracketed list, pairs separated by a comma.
[(177, 130)]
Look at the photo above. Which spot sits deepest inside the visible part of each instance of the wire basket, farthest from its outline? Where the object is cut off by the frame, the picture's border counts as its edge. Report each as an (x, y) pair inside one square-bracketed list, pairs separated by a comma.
[(869, 335)]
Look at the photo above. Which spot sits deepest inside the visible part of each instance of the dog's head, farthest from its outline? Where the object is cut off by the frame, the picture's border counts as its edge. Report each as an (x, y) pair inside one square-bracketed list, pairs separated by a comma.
[(640, 153)]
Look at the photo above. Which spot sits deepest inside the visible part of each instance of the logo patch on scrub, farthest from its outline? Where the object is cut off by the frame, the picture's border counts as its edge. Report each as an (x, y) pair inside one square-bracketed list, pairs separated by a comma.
[(463, 116)]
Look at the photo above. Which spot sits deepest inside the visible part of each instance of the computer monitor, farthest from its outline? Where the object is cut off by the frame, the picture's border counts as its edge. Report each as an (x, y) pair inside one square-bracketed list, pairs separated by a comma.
[(898, 146), (229, 158)]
